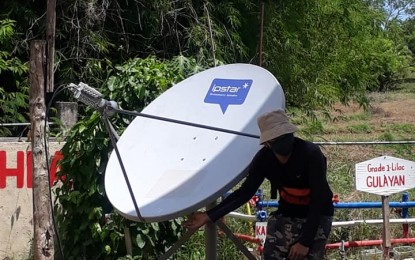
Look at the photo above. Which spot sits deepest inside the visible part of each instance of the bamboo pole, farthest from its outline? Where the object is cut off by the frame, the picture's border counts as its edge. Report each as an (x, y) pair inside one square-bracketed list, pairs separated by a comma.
[(43, 246), (50, 38), (261, 34)]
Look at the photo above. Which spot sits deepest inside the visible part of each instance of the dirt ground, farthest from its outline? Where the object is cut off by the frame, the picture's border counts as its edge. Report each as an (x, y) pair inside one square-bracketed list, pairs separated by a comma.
[(390, 107)]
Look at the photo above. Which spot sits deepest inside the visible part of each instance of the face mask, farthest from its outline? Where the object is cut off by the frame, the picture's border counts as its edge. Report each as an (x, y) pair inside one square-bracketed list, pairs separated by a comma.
[(282, 145)]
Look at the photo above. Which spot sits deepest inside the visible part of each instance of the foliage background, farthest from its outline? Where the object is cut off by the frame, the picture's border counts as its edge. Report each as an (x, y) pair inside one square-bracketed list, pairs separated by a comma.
[(323, 52)]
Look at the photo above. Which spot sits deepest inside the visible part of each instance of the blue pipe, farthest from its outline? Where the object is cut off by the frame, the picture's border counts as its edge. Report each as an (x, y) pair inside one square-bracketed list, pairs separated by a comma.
[(355, 205), (405, 210)]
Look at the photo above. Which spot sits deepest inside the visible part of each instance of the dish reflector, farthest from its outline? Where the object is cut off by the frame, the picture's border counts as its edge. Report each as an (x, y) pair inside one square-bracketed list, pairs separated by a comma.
[(175, 169)]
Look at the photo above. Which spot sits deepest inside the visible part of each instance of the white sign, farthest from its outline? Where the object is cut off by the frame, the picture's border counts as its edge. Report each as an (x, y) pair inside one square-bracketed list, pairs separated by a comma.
[(385, 175), (261, 231)]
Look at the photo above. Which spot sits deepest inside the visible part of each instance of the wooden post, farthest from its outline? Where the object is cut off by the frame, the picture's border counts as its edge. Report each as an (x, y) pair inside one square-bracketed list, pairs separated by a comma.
[(50, 38), (386, 236), (43, 246)]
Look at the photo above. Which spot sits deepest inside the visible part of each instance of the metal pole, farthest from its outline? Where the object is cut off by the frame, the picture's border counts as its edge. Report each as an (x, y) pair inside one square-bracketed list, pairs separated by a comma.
[(210, 238), (177, 245)]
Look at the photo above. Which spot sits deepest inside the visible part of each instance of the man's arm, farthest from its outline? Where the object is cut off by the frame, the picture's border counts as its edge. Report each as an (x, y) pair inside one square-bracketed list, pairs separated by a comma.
[(232, 202), (237, 198), (256, 176)]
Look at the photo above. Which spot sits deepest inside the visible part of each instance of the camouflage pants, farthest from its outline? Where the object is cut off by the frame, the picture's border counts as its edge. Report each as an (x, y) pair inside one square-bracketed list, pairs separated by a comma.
[(282, 232)]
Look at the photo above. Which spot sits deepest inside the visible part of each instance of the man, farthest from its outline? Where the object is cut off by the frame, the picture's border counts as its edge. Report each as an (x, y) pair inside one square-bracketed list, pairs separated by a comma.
[(296, 169)]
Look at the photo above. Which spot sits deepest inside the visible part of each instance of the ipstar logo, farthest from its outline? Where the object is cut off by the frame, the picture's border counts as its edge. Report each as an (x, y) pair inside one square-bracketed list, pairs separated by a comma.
[(228, 89), (225, 92)]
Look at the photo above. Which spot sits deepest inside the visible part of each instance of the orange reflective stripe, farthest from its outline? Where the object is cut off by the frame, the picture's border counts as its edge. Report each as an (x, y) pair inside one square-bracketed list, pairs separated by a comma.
[(297, 192), (296, 196)]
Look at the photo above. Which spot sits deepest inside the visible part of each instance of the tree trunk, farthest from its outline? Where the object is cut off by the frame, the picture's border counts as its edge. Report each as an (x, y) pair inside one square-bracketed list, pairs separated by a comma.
[(43, 247)]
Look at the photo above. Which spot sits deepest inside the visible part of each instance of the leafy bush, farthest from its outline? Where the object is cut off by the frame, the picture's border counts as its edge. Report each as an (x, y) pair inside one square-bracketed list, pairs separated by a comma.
[(89, 226), (12, 76)]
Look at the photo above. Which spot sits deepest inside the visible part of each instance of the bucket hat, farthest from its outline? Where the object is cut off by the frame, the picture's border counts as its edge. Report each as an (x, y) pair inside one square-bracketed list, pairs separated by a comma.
[(274, 124)]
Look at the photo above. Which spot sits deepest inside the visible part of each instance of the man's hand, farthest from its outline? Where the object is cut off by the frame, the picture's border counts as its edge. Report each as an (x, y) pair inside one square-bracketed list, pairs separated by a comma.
[(196, 220), (298, 252)]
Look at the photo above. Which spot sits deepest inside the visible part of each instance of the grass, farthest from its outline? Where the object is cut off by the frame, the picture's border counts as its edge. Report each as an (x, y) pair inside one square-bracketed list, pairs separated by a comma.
[(390, 117)]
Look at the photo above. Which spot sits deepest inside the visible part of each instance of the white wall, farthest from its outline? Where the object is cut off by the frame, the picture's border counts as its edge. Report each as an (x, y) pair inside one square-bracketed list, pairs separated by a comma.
[(16, 216)]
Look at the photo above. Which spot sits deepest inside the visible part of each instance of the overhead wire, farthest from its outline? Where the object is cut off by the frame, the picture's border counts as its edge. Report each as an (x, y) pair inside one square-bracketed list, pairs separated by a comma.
[(45, 139)]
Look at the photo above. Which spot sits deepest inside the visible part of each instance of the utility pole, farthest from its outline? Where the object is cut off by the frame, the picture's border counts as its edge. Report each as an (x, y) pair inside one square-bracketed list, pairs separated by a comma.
[(43, 246)]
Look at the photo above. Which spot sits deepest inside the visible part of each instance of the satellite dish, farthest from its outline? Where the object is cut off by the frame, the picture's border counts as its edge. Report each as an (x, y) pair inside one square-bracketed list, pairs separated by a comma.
[(175, 169)]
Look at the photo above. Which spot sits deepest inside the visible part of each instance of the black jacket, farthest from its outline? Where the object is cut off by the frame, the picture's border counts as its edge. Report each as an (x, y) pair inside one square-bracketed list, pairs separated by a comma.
[(306, 168)]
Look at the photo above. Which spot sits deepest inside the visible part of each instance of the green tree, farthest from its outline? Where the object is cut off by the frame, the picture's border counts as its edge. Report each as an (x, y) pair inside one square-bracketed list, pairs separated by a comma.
[(329, 51), (394, 9), (409, 32), (94, 31), (397, 26), (93, 35), (13, 81), (321, 51)]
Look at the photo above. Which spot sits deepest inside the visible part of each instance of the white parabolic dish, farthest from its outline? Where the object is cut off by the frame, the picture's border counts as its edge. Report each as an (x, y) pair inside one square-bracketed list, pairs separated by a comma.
[(176, 169)]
